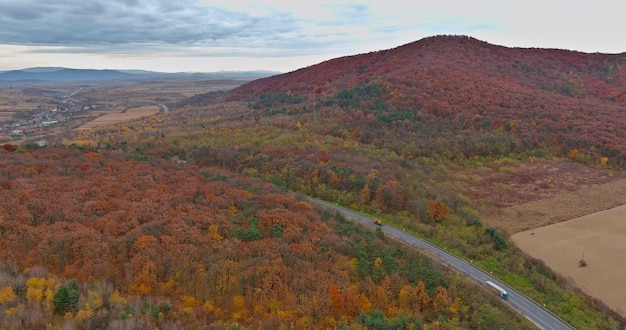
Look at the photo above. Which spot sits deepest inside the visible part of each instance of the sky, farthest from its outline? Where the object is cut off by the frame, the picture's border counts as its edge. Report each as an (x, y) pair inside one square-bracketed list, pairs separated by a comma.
[(282, 35)]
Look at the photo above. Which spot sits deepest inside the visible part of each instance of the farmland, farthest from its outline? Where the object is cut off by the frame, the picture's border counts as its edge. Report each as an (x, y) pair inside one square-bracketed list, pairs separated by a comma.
[(113, 117), (521, 195), (598, 239), (556, 211), (34, 110)]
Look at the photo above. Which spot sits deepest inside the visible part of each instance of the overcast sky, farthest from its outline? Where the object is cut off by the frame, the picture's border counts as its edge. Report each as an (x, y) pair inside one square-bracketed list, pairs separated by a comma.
[(282, 35)]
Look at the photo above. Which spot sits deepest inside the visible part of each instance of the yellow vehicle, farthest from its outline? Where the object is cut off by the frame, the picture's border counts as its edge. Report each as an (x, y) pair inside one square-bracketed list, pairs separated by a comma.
[(378, 222)]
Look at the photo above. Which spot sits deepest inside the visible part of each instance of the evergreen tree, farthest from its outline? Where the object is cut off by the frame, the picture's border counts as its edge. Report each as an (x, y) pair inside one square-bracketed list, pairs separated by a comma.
[(66, 297)]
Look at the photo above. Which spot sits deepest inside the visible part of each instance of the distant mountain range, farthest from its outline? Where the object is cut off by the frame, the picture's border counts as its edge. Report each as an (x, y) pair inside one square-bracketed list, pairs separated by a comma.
[(66, 74)]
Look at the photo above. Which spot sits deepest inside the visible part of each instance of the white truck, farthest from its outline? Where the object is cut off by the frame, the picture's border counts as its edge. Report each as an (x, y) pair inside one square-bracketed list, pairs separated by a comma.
[(502, 292)]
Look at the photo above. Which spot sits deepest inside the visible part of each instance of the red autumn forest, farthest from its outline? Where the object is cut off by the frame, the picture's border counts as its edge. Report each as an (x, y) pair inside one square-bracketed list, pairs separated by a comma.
[(568, 99), (178, 246), (189, 219)]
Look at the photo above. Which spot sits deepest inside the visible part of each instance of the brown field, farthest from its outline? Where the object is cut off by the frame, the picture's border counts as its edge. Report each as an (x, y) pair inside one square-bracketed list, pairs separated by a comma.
[(79, 103), (599, 238), (24, 106), (571, 209), (561, 207), (515, 196), (15, 101), (115, 116), (134, 93), (6, 115)]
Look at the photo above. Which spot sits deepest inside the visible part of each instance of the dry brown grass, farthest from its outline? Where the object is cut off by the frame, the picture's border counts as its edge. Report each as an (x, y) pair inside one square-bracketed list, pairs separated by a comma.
[(14, 101), (516, 196), (133, 93), (561, 207), (6, 115)]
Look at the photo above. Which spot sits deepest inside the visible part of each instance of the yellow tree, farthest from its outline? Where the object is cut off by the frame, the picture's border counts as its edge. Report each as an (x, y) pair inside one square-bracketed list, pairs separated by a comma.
[(604, 161), (144, 266), (7, 294), (35, 288), (365, 304), (408, 298), (238, 309), (85, 313), (455, 306), (380, 298), (213, 234), (352, 302), (379, 199), (144, 282), (51, 287)]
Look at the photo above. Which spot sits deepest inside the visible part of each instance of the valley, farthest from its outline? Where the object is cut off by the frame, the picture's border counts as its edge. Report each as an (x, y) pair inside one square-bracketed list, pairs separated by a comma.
[(29, 111)]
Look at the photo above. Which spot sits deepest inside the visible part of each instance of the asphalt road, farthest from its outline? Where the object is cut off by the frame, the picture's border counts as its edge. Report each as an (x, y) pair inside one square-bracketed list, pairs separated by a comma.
[(76, 91), (164, 108), (534, 312)]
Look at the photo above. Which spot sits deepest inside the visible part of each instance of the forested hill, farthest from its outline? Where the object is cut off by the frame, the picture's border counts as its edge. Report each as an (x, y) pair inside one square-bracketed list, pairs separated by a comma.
[(569, 100), (184, 220), (429, 63)]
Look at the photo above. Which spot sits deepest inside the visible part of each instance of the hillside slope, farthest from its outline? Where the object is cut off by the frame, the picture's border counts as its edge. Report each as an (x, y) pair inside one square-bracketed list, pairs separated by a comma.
[(570, 100), (416, 63)]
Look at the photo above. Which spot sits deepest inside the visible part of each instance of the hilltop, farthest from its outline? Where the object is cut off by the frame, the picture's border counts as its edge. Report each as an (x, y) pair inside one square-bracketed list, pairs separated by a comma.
[(475, 64), (566, 99)]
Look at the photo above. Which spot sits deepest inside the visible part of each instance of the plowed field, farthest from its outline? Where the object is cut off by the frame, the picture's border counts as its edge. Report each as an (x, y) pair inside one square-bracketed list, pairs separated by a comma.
[(560, 212), (597, 238)]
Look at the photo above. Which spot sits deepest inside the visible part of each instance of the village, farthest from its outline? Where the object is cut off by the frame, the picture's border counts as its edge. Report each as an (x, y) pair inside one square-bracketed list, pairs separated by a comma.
[(57, 108)]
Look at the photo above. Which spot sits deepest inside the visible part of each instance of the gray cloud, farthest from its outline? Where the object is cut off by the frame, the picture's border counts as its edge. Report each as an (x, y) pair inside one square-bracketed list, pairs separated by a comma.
[(278, 34), (193, 28), (94, 23)]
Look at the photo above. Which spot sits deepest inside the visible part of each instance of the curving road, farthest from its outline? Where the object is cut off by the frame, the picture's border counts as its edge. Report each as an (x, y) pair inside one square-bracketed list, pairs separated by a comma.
[(538, 315), (164, 108)]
